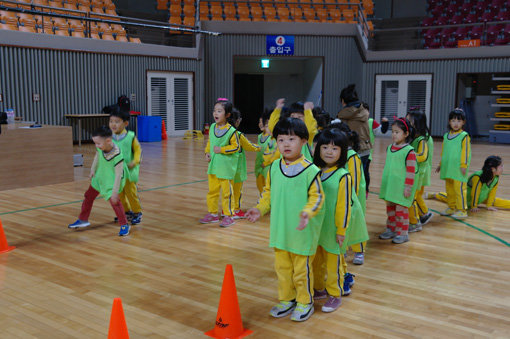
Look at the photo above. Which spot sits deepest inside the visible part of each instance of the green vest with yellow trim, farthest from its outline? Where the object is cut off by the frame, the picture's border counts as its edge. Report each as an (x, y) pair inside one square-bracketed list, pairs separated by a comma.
[(223, 166)]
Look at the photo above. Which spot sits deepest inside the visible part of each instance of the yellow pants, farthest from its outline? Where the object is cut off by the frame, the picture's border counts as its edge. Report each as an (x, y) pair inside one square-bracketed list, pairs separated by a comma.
[(498, 203), (261, 182), (295, 276), (418, 208), (129, 198), (457, 194), (227, 203), (328, 272), (359, 248), (238, 195)]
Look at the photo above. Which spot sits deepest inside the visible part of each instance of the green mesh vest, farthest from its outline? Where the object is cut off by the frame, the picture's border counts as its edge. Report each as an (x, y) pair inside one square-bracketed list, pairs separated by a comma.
[(259, 159), (126, 147), (289, 195), (484, 191), (104, 178), (394, 176), (223, 166), (450, 161), (242, 170), (356, 229), (372, 136), (428, 169), (362, 194)]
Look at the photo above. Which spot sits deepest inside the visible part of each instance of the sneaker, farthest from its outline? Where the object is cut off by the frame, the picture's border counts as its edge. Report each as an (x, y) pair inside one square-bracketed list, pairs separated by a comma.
[(400, 239), (430, 195), (332, 304), (137, 218), (124, 230), (424, 219), (239, 214), (349, 279), (388, 234), (227, 221), (460, 214), (282, 309), (317, 295), (79, 223), (415, 227), (448, 211), (209, 218), (359, 258), (129, 216), (302, 312), (347, 290)]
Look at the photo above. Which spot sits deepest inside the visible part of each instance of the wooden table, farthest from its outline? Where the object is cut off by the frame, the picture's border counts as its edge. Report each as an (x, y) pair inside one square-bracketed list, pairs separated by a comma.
[(78, 117), (35, 156)]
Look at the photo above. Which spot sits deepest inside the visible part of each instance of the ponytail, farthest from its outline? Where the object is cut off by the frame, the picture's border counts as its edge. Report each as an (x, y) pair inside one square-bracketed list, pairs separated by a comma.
[(491, 162)]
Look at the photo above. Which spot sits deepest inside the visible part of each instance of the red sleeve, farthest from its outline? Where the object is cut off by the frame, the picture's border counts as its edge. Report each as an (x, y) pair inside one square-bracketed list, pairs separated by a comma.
[(410, 168), (375, 124)]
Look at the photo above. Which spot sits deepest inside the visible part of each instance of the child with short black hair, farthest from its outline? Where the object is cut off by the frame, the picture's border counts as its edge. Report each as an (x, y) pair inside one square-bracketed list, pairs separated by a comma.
[(107, 175), (132, 152), (294, 194)]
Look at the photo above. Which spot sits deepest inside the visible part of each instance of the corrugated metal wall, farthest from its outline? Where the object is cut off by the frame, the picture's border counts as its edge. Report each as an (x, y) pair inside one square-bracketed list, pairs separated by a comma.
[(444, 81), (342, 63), (79, 83)]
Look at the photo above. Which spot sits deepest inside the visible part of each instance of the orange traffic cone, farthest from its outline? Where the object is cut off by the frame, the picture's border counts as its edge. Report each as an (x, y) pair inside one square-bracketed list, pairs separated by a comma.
[(4, 246), (228, 318), (163, 130), (118, 328)]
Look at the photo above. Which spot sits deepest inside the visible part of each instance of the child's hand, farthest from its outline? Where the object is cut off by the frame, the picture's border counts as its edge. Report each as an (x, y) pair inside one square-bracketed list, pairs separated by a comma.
[(253, 214), (303, 221), (114, 198), (384, 120), (208, 157), (438, 169), (475, 210), (340, 239), (217, 149), (308, 105), (407, 192), (492, 208), (91, 175), (463, 170), (280, 103), (131, 165)]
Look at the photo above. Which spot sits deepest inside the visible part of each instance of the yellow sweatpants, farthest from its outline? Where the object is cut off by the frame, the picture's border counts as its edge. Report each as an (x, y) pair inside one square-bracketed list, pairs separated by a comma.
[(457, 194), (261, 182), (295, 276), (418, 208), (227, 202), (238, 195), (129, 198), (328, 272), (498, 202), (359, 248)]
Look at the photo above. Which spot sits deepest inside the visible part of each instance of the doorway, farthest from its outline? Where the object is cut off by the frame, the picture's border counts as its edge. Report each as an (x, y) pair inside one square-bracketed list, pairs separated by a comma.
[(249, 100)]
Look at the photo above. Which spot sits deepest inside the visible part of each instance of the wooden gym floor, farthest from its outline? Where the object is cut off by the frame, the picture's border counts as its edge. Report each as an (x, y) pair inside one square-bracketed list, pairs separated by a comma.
[(451, 280)]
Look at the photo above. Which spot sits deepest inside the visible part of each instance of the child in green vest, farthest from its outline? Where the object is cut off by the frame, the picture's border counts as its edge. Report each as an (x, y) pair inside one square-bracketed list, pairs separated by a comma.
[(454, 165), (482, 187), (107, 175), (423, 145), (294, 194), (132, 152), (340, 227), (241, 172), (222, 153), (267, 146), (398, 185)]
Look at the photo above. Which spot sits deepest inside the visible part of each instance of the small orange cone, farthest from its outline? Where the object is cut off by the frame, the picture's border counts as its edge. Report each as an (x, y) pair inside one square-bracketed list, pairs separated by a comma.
[(163, 130), (228, 318), (4, 246), (118, 328)]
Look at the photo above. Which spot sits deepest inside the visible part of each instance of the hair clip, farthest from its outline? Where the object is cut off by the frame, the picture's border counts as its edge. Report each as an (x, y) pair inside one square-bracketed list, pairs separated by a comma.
[(222, 99)]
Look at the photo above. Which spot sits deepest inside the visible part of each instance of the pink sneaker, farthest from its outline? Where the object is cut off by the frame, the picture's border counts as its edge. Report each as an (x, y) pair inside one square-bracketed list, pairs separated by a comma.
[(332, 304), (209, 218), (239, 214), (317, 295), (227, 221)]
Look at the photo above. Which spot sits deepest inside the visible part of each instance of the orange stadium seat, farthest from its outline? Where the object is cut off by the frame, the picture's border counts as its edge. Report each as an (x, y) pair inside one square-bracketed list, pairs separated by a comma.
[(78, 34), (135, 40), (8, 4), (94, 35), (175, 10), (243, 13), (121, 38), (8, 27), (368, 5), (28, 29), (348, 15), (256, 13), (175, 20), (189, 11), (336, 15), (9, 18), (113, 13), (270, 13), (322, 14), (189, 21), (189, 2), (230, 13), (70, 6), (27, 6), (204, 12), (83, 8), (162, 5), (107, 36), (216, 12), (284, 14)]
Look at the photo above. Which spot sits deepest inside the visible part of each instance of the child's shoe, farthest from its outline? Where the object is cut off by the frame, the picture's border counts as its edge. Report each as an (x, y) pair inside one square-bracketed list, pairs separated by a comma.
[(227, 221), (415, 227), (388, 234), (129, 216), (332, 304), (459, 214), (239, 214), (424, 219), (124, 230), (348, 283), (209, 218), (79, 223), (137, 218), (359, 258), (448, 211), (317, 295), (282, 309), (302, 312), (347, 290), (430, 195), (400, 239)]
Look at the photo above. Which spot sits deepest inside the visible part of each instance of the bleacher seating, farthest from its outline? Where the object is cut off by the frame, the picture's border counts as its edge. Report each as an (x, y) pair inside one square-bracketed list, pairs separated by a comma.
[(100, 9), (486, 12)]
